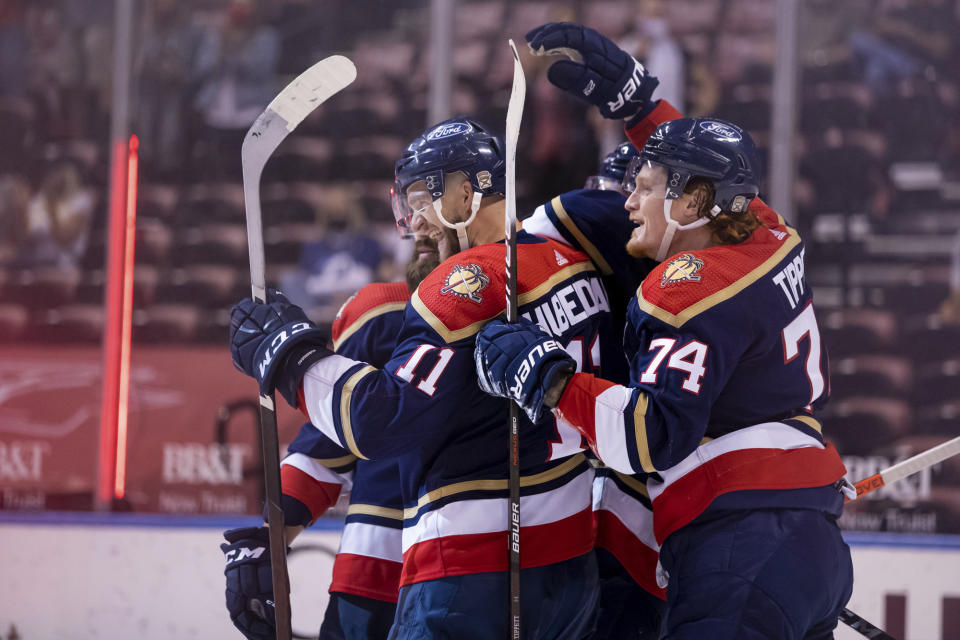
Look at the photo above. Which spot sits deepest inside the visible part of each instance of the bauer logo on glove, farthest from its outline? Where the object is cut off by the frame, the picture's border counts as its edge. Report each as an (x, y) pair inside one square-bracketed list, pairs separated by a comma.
[(597, 71), (533, 357), (526, 355), (630, 88)]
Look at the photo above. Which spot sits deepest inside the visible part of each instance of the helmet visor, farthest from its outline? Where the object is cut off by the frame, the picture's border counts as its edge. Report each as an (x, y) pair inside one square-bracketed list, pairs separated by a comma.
[(629, 182), (414, 201), (402, 213), (655, 179), (603, 183)]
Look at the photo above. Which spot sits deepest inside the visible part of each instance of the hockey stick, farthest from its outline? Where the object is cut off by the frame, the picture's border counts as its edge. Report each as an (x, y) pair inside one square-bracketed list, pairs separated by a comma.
[(891, 474), (863, 627), (514, 115), (307, 92), (909, 466)]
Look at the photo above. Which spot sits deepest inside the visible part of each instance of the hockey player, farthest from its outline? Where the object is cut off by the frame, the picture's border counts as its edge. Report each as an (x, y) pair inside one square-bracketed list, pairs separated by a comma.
[(727, 371), (609, 175), (425, 407), (631, 603), (366, 570)]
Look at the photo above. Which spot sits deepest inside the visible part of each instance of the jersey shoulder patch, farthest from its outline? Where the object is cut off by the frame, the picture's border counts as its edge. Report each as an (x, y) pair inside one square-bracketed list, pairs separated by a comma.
[(469, 289), (464, 292), (369, 302), (691, 282)]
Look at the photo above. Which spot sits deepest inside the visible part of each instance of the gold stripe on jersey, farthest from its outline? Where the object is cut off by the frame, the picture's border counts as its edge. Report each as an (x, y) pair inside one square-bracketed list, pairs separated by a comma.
[(587, 246), (813, 423), (452, 335), (637, 485), (544, 287), (366, 317), (449, 335), (493, 485), (333, 463), (640, 432), (374, 510), (345, 423), (732, 289)]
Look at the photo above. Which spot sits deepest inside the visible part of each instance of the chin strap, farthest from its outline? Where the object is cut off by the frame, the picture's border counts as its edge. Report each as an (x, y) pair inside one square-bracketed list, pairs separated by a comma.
[(460, 227), (673, 226)]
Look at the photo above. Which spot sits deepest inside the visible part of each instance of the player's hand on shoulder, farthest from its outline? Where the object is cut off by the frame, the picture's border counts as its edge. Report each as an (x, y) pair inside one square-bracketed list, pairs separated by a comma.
[(275, 343), (523, 363), (598, 71), (249, 582)]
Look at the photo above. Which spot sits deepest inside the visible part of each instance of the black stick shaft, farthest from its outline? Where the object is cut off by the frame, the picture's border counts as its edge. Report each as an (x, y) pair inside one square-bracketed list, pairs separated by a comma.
[(514, 480), (863, 627), (269, 441)]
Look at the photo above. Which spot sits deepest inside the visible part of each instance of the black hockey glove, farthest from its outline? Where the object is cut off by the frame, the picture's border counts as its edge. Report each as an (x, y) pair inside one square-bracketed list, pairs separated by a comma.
[(275, 343), (521, 362), (598, 71), (250, 582)]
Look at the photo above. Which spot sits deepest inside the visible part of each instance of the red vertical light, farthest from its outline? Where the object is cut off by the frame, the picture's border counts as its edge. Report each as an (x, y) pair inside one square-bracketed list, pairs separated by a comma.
[(113, 300), (126, 319)]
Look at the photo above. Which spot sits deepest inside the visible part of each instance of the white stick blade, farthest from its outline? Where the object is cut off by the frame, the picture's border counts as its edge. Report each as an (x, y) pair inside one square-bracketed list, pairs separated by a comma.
[(921, 461), (514, 116), (312, 88)]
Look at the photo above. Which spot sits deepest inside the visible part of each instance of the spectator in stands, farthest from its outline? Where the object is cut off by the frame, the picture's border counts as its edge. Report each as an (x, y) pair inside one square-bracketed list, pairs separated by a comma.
[(652, 42), (824, 34), (58, 220), (906, 41), (649, 39), (13, 49), (54, 69), (236, 67), (343, 260), (168, 49), (14, 201), (950, 309)]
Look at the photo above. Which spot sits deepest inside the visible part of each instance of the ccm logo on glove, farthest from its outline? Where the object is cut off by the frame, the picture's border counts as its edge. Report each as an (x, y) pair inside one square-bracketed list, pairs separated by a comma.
[(537, 352), (242, 553), (278, 340)]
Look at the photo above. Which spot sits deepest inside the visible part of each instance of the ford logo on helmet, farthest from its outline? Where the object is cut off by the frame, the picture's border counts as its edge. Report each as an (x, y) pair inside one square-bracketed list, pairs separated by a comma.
[(721, 130), (448, 130)]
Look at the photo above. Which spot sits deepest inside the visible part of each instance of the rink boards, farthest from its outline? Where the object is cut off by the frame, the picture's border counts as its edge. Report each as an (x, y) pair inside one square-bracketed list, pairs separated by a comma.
[(81, 576)]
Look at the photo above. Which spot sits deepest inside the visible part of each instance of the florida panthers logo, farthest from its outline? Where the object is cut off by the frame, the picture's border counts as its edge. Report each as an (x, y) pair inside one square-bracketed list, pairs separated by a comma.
[(466, 281), (683, 268)]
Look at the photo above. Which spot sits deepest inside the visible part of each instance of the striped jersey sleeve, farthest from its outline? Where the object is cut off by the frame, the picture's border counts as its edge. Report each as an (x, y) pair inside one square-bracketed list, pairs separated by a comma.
[(316, 468)]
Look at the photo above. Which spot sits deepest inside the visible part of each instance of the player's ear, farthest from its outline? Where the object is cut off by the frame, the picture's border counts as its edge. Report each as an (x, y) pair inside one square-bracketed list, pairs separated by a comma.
[(466, 191)]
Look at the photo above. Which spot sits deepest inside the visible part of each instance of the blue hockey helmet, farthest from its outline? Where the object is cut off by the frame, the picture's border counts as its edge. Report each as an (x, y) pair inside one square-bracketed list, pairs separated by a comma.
[(458, 144), (612, 169), (717, 150)]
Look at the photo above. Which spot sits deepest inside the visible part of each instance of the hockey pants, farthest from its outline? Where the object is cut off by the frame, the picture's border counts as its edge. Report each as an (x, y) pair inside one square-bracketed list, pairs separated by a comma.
[(558, 602), (350, 617), (626, 610), (777, 574)]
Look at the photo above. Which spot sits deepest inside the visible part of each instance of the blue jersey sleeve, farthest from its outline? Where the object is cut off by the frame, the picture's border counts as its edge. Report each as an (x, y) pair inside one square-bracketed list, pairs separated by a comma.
[(595, 222)]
